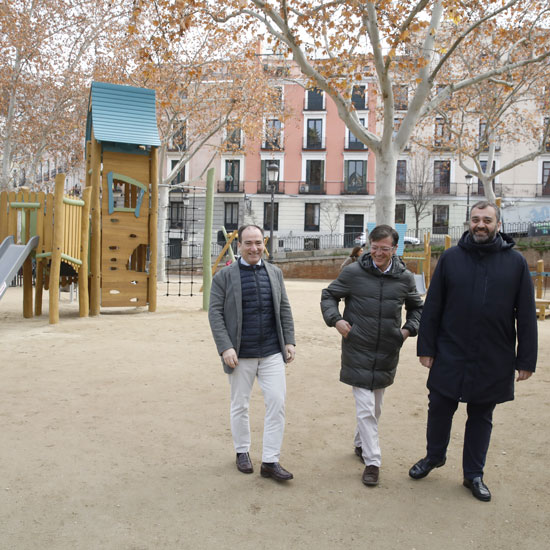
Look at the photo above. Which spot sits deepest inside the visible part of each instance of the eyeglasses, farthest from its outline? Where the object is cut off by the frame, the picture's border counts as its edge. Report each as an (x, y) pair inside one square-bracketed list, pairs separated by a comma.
[(381, 248)]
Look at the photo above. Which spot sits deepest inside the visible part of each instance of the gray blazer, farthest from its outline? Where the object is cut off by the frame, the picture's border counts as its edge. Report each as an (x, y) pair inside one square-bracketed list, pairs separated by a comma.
[(225, 311)]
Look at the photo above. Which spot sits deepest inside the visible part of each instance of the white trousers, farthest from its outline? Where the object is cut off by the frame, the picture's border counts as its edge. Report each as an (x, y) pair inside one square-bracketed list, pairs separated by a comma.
[(271, 377), (368, 406)]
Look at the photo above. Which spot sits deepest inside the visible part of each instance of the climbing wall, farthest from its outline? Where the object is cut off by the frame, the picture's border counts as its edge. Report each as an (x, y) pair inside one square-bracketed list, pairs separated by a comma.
[(124, 238)]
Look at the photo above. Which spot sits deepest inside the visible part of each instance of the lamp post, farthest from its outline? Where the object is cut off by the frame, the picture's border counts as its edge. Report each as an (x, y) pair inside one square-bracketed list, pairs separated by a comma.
[(468, 184), (272, 170)]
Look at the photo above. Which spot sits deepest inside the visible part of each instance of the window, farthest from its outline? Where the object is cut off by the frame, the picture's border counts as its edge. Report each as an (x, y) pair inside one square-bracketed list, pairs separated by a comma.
[(401, 97), (353, 142), (232, 176), (267, 216), (314, 137), (315, 174), (547, 144), (234, 138), (400, 212), (482, 136), (265, 182), (314, 100), (231, 215), (180, 178), (272, 134), (401, 177), (442, 135), (179, 138), (442, 176), (176, 214), (312, 213), (480, 190), (546, 177), (440, 221), (355, 177), (174, 249), (359, 97)]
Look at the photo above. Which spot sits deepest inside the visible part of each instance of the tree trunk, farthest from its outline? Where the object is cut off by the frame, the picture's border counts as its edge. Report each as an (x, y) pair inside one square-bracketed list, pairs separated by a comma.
[(384, 201)]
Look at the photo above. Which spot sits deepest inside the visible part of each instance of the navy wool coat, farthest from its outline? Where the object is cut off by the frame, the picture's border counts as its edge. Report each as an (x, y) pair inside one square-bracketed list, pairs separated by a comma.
[(479, 306)]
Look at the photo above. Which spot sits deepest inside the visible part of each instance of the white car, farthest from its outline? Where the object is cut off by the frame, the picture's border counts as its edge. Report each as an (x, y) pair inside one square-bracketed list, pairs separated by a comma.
[(361, 240)]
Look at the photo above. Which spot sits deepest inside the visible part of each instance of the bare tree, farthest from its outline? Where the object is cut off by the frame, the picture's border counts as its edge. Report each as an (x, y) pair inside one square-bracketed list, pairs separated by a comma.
[(413, 44)]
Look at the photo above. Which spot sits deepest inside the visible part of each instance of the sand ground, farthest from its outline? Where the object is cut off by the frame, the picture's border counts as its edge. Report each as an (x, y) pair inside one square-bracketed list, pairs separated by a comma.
[(115, 435)]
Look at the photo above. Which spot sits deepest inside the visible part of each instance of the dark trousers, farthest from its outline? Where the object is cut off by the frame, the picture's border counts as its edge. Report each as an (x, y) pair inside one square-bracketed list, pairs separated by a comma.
[(477, 434)]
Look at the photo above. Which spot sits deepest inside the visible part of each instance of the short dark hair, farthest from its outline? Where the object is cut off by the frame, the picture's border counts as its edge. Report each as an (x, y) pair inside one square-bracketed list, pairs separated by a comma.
[(381, 232), (484, 204), (243, 227)]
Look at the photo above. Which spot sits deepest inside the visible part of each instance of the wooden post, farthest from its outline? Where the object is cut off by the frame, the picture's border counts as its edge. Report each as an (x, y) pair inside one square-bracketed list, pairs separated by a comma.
[(27, 264), (207, 240), (83, 291), (428, 261), (153, 225), (540, 271), (55, 267), (95, 260), (447, 242), (3, 215), (39, 266)]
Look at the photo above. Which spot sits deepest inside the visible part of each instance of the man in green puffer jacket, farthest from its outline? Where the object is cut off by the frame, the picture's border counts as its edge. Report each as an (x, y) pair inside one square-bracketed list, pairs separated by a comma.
[(374, 289)]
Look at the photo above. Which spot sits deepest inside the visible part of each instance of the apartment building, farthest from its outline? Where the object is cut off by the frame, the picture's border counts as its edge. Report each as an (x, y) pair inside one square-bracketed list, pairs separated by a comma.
[(322, 186)]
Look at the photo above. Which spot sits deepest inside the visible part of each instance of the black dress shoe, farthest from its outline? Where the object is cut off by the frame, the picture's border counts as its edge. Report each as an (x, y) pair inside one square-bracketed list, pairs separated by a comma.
[(276, 471), (478, 488), (423, 467), (370, 475), (359, 453), (244, 463)]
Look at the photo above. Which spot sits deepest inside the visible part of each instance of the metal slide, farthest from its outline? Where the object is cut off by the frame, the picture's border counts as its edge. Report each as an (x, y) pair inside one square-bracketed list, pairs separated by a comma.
[(12, 257)]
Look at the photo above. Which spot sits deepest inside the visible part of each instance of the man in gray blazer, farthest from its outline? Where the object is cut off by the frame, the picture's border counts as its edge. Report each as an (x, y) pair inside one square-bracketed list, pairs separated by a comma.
[(252, 325)]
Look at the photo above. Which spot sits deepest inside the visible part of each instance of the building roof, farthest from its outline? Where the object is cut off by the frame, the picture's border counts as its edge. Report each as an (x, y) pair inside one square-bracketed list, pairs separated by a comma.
[(122, 114)]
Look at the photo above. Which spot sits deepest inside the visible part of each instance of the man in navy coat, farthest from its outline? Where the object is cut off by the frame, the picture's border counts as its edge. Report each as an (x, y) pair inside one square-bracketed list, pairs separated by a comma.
[(479, 305)]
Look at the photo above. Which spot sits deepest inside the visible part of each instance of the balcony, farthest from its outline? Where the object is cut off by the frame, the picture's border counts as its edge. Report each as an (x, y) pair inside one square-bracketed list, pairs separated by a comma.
[(306, 188), (355, 188), (263, 188), (230, 186)]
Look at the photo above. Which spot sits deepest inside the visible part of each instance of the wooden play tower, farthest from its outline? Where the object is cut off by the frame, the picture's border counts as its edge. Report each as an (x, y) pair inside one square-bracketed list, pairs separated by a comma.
[(122, 169)]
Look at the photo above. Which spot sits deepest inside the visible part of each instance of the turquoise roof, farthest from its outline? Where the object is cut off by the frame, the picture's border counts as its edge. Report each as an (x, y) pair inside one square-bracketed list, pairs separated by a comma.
[(122, 114)]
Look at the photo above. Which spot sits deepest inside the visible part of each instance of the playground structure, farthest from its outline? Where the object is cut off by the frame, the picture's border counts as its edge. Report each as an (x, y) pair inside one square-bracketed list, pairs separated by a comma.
[(122, 167), (120, 198), (53, 229)]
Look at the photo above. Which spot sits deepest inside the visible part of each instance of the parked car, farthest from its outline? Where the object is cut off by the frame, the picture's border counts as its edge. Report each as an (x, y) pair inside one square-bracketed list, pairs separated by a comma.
[(361, 240)]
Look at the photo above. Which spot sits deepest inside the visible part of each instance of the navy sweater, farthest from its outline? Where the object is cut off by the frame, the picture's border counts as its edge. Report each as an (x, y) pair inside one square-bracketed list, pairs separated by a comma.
[(259, 332)]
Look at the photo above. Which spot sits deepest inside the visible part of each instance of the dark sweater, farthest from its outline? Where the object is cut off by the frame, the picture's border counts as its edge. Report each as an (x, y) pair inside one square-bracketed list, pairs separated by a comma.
[(259, 331)]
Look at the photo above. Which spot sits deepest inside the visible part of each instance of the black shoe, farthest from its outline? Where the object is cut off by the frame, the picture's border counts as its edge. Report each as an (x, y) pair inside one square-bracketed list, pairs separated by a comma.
[(244, 463), (371, 475), (359, 453), (276, 471), (478, 488), (423, 467)]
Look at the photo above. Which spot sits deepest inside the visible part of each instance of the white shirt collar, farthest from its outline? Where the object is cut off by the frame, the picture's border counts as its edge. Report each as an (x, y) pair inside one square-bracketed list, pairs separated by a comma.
[(241, 259)]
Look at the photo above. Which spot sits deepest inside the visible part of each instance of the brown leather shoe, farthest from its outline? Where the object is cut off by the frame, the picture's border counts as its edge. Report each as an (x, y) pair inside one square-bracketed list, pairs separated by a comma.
[(244, 463), (370, 475), (359, 453), (276, 471)]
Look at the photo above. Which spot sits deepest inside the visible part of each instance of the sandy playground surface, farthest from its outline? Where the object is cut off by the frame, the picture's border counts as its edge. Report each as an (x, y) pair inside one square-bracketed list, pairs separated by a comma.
[(115, 435)]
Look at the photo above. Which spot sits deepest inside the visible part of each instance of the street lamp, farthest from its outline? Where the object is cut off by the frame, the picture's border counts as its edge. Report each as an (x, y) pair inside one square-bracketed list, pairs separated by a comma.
[(272, 169), (468, 184)]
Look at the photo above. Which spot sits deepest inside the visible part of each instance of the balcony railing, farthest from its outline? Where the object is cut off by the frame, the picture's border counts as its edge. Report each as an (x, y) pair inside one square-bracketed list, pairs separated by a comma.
[(263, 188), (225, 186), (355, 188), (306, 188)]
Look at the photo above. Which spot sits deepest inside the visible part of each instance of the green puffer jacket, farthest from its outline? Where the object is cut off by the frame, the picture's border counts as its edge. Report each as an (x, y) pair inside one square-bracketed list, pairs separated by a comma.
[(373, 307)]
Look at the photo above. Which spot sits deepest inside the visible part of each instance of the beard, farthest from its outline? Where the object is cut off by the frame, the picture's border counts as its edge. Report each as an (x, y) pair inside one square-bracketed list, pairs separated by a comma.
[(483, 236)]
